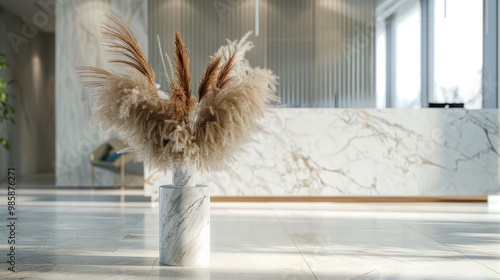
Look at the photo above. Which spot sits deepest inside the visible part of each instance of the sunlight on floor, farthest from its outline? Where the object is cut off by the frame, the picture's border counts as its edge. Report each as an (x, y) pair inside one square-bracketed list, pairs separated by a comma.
[(113, 234)]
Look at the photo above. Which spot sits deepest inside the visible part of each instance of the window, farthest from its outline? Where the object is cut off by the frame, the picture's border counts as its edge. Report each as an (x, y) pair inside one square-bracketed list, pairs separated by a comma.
[(407, 64), (432, 51), (381, 67), (458, 52)]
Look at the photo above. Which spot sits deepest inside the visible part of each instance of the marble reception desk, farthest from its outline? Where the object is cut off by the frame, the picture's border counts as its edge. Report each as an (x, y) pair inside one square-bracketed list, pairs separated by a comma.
[(365, 152)]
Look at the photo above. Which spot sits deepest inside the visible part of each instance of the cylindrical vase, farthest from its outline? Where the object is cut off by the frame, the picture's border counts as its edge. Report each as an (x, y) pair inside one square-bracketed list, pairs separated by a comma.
[(184, 225)]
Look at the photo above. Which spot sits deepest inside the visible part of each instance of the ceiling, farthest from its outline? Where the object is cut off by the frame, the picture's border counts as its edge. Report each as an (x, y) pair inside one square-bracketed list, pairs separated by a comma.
[(28, 8)]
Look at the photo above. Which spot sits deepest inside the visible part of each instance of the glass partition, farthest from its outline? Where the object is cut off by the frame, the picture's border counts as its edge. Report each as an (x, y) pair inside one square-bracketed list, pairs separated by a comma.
[(340, 53), (323, 51)]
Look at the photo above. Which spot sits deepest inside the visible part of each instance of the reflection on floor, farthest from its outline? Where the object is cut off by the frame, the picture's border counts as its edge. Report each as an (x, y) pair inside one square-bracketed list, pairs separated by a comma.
[(107, 234), (36, 180)]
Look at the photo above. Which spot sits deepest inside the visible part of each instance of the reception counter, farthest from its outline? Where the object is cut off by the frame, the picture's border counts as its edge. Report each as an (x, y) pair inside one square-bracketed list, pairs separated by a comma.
[(364, 152)]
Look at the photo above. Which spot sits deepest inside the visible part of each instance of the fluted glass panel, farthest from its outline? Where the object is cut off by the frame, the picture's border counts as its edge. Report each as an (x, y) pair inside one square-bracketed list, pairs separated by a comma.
[(323, 50)]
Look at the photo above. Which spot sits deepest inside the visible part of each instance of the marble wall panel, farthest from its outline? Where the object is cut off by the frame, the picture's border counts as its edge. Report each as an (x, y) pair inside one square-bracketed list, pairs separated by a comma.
[(78, 43), (366, 152)]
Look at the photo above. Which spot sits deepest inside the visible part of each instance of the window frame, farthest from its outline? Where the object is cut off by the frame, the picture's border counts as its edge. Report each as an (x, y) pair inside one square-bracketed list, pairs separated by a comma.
[(489, 86), (491, 60)]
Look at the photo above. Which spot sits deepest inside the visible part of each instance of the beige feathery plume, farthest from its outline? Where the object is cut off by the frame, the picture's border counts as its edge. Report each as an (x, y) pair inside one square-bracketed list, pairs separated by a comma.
[(235, 97), (229, 117), (182, 63), (228, 120), (93, 77), (209, 77), (122, 42), (181, 101), (129, 102), (224, 76)]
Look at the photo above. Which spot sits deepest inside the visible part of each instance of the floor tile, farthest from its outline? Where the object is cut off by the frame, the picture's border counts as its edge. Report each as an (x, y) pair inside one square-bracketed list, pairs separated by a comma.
[(113, 234)]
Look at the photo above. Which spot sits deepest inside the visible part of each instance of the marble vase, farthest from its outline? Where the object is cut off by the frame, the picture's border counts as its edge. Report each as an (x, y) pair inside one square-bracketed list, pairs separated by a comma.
[(184, 221)]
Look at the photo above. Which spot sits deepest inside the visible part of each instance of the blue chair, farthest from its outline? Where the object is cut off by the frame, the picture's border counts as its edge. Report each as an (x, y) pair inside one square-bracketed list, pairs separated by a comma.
[(107, 157)]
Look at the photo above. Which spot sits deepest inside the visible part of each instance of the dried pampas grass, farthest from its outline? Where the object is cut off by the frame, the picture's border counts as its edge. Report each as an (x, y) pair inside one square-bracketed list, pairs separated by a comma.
[(209, 77), (232, 98), (182, 101), (228, 116), (121, 42)]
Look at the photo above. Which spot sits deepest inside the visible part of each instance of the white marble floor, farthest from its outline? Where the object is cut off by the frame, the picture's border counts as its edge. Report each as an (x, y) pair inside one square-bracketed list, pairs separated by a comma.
[(83, 234)]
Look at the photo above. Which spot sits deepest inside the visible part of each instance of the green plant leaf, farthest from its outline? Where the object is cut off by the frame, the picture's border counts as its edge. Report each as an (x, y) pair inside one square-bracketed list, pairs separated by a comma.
[(4, 143), (3, 64), (6, 110)]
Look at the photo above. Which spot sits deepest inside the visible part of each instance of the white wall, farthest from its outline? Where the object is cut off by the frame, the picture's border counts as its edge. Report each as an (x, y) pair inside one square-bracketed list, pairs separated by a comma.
[(78, 43)]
